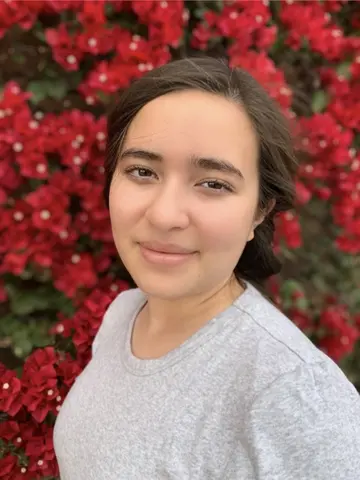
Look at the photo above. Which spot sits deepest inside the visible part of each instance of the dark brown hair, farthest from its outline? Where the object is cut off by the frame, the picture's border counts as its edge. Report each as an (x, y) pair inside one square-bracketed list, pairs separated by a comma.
[(276, 158)]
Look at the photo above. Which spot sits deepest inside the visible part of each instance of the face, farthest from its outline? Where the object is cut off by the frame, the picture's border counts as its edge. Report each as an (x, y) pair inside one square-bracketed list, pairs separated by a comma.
[(183, 199)]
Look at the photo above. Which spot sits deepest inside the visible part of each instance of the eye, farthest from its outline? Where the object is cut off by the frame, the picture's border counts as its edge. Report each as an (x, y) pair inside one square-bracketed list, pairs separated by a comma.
[(217, 186), (139, 172)]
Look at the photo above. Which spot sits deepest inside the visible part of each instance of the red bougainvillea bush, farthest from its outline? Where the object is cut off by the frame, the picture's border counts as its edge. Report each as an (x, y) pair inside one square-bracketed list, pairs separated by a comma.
[(62, 62)]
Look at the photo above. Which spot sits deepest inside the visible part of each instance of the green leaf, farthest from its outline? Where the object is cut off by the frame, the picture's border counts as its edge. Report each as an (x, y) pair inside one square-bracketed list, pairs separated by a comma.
[(109, 10), (104, 97), (302, 303), (199, 13), (343, 69), (19, 59), (42, 298), (28, 302), (30, 334), (279, 43), (289, 287), (40, 34), (38, 90), (319, 101), (22, 345), (51, 72), (58, 89), (8, 325), (42, 89)]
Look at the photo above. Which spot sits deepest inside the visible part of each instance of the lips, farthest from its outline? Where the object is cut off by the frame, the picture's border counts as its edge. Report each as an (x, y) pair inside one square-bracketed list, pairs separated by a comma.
[(166, 255), (166, 248)]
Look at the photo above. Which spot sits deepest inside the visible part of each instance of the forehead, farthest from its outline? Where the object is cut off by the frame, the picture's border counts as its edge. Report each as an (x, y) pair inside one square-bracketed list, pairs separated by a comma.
[(194, 123)]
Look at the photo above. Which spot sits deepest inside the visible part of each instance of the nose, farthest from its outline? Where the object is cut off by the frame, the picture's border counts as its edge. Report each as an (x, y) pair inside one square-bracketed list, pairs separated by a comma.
[(167, 209)]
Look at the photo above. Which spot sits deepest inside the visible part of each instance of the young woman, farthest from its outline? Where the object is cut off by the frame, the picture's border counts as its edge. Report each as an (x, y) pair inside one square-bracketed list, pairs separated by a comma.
[(194, 374)]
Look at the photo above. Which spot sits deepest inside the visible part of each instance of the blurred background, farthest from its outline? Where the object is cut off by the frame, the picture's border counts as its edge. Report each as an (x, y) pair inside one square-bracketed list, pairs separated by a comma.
[(62, 65)]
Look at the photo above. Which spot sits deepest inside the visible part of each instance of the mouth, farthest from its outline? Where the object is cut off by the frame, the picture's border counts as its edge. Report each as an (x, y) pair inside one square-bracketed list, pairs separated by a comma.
[(166, 254)]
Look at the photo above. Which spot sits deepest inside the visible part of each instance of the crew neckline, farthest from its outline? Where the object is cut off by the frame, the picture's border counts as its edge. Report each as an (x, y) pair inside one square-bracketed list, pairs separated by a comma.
[(144, 367)]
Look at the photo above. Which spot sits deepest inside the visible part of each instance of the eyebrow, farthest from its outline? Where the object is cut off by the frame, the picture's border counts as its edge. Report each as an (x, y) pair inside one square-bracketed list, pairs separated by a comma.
[(204, 163)]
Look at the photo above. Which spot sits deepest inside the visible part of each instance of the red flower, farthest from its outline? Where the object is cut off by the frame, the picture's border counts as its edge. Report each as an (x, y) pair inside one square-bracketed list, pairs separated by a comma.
[(12, 102), (61, 5), (265, 71), (288, 229), (68, 370), (334, 5), (64, 48), (10, 180), (335, 84), (108, 77), (15, 241), (73, 271), (63, 327), (303, 194), (334, 318), (88, 318), (338, 346), (329, 42), (96, 304), (96, 39), (143, 9), (341, 336), (50, 207), (301, 319), (18, 12), (92, 12), (10, 393), (165, 20), (112, 287), (264, 38), (9, 430), (78, 135), (40, 381), (348, 244), (323, 35), (243, 21), (41, 248), (40, 451), (40, 358), (355, 68), (355, 20), (27, 146), (201, 35), (7, 465)]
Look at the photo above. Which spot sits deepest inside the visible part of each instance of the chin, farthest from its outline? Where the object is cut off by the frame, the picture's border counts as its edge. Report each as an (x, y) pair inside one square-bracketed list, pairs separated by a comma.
[(168, 283), (165, 288)]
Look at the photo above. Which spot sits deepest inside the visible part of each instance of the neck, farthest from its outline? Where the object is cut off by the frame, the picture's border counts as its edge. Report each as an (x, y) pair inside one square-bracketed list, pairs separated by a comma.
[(165, 316)]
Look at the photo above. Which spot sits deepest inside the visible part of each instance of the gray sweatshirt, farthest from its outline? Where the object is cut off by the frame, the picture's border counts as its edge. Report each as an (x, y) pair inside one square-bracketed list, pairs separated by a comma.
[(247, 397)]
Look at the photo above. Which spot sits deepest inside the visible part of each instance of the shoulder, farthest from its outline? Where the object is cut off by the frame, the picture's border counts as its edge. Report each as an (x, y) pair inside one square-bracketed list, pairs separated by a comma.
[(306, 423), (318, 389), (303, 417), (268, 322), (274, 345), (118, 314)]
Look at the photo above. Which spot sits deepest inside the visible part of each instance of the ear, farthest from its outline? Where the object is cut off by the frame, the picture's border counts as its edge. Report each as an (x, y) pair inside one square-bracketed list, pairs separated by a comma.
[(260, 217)]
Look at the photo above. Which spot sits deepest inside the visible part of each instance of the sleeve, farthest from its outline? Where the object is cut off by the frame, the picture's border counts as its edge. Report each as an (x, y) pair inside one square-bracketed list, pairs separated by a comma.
[(306, 426)]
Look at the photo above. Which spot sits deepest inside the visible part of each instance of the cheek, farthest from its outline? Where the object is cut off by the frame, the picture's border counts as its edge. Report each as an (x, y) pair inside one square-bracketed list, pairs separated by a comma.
[(226, 229), (122, 211), (120, 216)]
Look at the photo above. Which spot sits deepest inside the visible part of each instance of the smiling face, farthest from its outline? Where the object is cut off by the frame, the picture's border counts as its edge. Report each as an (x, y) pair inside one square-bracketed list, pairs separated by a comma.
[(183, 198)]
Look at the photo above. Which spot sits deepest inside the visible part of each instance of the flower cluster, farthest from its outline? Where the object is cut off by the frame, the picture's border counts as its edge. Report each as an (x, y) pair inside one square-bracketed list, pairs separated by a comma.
[(36, 396), (34, 223), (55, 235)]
